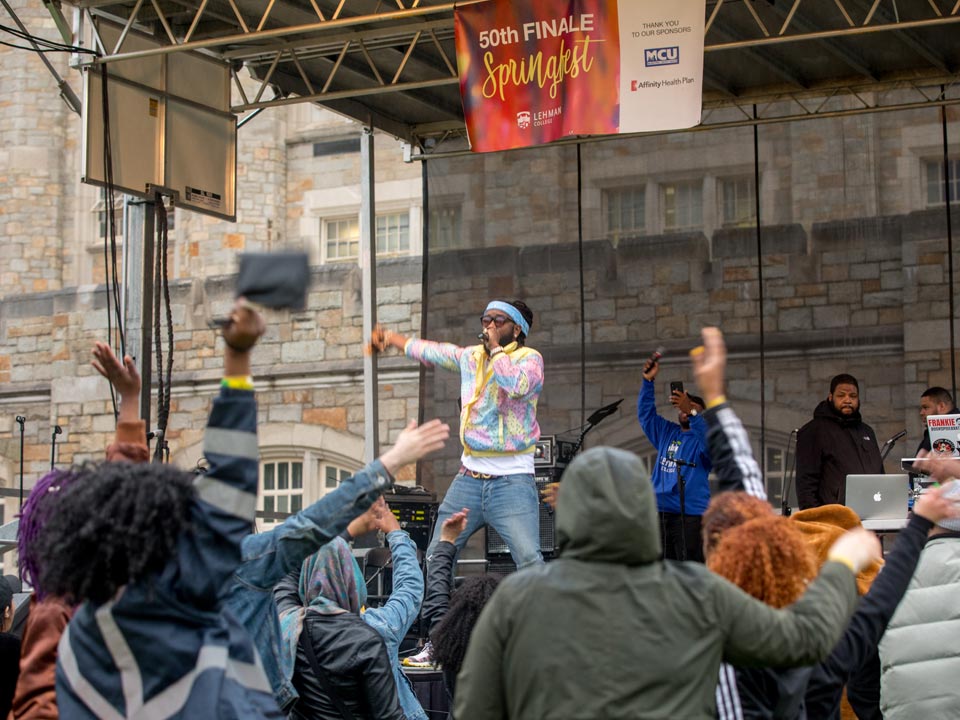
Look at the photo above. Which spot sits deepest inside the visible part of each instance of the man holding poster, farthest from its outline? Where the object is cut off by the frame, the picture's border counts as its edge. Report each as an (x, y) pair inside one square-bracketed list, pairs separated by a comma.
[(535, 71)]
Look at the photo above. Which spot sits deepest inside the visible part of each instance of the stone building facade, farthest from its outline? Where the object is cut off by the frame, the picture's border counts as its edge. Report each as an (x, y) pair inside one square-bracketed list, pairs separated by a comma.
[(850, 273)]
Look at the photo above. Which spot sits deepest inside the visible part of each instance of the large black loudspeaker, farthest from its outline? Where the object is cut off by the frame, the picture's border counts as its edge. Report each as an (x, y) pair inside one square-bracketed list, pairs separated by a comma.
[(497, 546), (416, 513)]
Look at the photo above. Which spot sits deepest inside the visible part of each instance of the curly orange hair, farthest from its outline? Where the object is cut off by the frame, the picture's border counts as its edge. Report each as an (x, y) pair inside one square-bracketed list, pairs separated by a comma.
[(727, 510), (766, 557)]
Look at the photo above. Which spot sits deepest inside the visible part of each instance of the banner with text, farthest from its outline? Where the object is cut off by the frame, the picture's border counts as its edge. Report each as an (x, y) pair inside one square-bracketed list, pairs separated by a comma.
[(535, 71)]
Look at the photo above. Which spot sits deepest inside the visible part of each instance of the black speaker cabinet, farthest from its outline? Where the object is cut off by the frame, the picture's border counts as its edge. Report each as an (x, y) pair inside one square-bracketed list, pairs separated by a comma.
[(497, 552)]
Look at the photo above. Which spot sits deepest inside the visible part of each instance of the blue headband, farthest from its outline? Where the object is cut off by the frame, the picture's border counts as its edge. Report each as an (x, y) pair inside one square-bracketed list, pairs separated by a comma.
[(512, 312)]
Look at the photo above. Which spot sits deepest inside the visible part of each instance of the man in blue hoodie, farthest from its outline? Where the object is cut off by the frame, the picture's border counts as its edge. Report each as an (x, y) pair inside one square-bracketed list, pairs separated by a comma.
[(681, 451)]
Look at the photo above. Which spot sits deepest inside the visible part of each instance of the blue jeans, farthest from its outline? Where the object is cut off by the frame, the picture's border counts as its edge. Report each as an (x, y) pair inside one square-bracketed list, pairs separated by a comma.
[(510, 504)]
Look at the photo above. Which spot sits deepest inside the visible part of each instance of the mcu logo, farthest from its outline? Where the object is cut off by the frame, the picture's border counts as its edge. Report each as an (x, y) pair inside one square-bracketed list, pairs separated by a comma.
[(655, 57), (523, 120)]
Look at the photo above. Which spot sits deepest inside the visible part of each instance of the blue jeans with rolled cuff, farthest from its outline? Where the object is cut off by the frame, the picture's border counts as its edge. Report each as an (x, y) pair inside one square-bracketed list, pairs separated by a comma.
[(510, 504)]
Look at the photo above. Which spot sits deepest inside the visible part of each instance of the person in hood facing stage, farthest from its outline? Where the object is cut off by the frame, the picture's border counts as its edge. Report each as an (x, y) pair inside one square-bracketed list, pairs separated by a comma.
[(836, 443)]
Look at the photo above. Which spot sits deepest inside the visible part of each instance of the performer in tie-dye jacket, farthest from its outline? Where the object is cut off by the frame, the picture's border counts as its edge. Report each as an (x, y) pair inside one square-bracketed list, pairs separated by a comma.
[(500, 383)]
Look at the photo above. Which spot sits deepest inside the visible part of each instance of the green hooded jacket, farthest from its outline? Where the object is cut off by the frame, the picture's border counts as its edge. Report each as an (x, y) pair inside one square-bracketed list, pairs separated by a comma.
[(609, 630)]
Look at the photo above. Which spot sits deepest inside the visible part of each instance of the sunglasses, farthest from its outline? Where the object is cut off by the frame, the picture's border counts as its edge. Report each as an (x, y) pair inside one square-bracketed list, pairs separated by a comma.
[(497, 320)]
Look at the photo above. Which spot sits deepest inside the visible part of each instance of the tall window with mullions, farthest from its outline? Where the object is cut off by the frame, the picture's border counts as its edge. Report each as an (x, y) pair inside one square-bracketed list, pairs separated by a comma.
[(282, 488)]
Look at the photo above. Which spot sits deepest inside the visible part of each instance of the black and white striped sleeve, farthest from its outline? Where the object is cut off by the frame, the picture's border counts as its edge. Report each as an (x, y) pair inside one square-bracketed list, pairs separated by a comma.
[(731, 454), (728, 699)]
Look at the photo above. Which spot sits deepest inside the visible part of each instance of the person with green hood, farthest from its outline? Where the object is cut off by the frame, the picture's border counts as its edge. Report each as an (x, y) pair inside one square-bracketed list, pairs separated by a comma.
[(610, 630)]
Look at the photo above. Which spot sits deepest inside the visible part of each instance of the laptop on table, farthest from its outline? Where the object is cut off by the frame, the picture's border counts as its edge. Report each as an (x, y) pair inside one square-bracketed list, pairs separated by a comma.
[(879, 500)]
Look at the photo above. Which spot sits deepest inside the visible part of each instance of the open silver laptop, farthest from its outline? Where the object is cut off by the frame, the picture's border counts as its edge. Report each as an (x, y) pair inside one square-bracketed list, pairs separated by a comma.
[(879, 500)]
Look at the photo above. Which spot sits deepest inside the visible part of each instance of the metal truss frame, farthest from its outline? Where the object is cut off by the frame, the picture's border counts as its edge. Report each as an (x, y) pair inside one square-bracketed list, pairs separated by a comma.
[(445, 140), (262, 39)]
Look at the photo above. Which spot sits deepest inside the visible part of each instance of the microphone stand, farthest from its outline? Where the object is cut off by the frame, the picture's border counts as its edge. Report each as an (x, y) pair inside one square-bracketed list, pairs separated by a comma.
[(681, 486), (20, 421), (593, 421), (53, 444), (888, 445), (785, 487)]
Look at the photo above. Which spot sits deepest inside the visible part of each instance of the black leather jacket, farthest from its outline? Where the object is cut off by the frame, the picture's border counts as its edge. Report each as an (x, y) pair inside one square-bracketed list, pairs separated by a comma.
[(355, 661), (437, 600)]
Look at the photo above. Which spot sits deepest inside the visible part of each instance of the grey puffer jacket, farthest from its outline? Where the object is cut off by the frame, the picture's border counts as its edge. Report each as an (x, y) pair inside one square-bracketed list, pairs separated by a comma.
[(919, 654)]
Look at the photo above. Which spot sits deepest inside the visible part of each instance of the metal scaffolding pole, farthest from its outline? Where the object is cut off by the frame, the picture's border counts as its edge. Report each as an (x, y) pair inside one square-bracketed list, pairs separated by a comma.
[(368, 267), (138, 287)]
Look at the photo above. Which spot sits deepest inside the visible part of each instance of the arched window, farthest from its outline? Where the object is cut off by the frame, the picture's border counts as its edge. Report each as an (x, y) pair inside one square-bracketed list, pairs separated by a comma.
[(299, 464)]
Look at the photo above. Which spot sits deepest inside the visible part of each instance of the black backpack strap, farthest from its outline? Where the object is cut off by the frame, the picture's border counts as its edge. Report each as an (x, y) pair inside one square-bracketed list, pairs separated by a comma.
[(321, 675)]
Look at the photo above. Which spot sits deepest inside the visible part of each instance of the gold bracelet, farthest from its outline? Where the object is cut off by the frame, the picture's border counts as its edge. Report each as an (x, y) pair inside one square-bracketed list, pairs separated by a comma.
[(718, 400)]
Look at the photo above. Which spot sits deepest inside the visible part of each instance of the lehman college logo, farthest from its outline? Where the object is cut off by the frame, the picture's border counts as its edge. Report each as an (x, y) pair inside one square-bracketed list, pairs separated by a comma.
[(523, 120), (654, 57)]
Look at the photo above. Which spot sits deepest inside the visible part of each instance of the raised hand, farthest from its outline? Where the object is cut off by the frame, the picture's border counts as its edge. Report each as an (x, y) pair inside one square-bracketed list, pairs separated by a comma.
[(550, 494), (243, 329), (710, 364), (381, 338), (934, 505), (650, 369), (414, 443), (368, 521), (681, 401), (858, 547), (386, 520), (453, 526), (123, 376), (940, 469)]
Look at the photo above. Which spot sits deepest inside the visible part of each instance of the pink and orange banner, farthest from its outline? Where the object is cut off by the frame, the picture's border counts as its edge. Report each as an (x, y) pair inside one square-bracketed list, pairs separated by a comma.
[(535, 71)]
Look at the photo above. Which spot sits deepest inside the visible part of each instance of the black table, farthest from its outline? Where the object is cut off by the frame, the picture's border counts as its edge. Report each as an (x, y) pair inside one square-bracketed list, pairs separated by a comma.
[(428, 687)]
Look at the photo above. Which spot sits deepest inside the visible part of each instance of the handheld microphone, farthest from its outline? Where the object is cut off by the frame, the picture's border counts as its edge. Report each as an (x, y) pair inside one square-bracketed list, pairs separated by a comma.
[(654, 358), (482, 336)]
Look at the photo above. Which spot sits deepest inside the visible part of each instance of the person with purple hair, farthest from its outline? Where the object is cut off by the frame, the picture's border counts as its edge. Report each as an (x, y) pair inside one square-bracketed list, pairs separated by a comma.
[(35, 697)]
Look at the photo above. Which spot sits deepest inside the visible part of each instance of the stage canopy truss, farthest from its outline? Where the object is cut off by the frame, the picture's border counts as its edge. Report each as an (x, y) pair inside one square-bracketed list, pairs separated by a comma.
[(393, 65)]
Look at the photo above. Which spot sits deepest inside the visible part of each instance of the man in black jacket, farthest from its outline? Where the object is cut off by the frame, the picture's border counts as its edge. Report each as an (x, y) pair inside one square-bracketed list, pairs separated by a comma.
[(836, 443)]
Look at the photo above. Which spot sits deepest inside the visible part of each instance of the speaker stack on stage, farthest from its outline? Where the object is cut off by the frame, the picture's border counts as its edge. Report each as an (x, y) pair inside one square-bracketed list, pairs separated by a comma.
[(416, 511), (550, 459)]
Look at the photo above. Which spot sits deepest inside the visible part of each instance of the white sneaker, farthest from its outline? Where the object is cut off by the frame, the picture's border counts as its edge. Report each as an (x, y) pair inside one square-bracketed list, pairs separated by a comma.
[(424, 658)]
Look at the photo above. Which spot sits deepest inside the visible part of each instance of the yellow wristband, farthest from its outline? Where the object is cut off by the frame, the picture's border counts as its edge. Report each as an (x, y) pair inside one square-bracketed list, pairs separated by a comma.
[(237, 382), (843, 561), (718, 400)]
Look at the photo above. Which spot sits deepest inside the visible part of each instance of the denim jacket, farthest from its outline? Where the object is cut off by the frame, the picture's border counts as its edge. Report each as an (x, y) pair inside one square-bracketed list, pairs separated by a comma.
[(394, 619), (269, 556)]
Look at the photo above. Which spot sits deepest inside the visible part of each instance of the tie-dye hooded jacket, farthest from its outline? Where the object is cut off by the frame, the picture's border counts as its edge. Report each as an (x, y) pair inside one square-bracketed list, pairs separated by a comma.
[(498, 414)]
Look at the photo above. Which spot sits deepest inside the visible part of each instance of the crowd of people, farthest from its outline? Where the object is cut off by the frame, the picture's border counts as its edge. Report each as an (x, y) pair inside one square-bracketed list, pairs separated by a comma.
[(152, 597)]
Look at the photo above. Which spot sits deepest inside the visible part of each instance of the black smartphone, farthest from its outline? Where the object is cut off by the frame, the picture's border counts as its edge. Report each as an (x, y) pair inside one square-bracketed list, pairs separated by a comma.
[(676, 386)]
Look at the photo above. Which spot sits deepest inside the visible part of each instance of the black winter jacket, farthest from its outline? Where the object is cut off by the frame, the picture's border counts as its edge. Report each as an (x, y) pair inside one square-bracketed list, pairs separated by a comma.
[(437, 600), (354, 658), (830, 447)]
